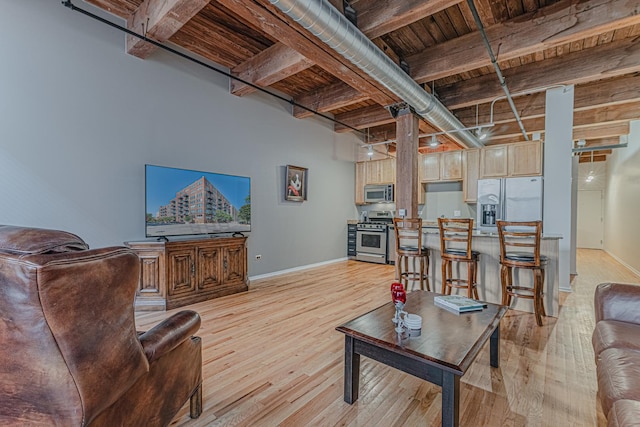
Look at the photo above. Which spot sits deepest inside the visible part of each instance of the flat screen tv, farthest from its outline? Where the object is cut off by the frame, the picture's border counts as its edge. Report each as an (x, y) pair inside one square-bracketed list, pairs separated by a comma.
[(181, 202)]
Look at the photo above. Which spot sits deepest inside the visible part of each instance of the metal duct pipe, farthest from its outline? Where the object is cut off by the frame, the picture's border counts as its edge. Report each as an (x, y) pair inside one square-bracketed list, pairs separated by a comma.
[(494, 61), (331, 27)]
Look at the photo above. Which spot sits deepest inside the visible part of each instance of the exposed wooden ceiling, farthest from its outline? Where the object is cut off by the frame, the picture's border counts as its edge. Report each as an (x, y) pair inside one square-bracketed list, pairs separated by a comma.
[(592, 44)]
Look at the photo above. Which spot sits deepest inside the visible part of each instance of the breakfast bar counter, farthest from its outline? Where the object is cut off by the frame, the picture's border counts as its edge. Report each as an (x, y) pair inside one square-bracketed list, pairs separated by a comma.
[(489, 287)]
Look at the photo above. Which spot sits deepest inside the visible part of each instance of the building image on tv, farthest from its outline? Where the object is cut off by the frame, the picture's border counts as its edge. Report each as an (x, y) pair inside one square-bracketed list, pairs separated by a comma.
[(185, 202), (199, 203)]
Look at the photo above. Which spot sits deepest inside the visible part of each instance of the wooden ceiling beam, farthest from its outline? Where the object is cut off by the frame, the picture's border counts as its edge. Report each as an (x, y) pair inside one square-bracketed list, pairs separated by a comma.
[(597, 94), (280, 27), (273, 64), (271, 71), (363, 118), (608, 60), (551, 26), (326, 99), (379, 17), (159, 20), (555, 25)]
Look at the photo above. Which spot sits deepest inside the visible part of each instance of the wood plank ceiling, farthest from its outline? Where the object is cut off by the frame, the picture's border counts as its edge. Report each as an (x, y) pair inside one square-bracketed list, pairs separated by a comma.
[(592, 44)]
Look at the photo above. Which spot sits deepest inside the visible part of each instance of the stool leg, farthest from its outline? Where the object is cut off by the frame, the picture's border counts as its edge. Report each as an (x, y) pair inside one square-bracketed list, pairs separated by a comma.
[(537, 297), (469, 280), (444, 277), (426, 270), (542, 292), (474, 270), (503, 282)]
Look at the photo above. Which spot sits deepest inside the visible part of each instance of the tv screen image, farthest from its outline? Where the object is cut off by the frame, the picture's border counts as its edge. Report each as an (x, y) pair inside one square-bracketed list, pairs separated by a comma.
[(182, 202)]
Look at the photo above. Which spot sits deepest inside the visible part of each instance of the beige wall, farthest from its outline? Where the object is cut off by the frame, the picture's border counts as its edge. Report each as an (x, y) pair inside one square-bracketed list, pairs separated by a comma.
[(622, 202)]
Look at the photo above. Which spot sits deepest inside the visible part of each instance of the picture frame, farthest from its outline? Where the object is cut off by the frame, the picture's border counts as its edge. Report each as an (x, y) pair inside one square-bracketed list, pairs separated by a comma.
[(295, 185)]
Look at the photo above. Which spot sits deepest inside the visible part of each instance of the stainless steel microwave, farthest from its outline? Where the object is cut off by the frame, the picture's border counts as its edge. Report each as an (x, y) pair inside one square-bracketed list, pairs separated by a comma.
[(378, 193)]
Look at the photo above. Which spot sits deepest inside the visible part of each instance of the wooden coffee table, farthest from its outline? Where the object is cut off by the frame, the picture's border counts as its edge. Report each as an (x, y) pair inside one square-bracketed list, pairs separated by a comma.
[(447, 345)]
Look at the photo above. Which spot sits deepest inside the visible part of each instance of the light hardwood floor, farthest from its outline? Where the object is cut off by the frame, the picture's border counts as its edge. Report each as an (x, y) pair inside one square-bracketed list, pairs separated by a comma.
[(272, 357)]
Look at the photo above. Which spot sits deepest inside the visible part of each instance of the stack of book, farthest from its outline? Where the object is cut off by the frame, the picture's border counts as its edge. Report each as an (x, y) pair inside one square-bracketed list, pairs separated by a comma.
[(458, 303)]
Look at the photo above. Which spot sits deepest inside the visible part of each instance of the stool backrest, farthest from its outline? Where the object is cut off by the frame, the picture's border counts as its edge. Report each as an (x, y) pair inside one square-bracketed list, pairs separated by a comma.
[(408, 236), (520, 243), (455, 235)]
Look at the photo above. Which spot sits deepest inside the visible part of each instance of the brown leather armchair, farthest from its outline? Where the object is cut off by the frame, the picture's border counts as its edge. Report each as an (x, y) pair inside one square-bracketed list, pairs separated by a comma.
[(69, 350)]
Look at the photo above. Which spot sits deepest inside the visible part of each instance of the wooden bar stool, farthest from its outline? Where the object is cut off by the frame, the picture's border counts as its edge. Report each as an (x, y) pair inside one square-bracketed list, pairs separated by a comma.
[(409, 247), (520, 248), (455, 246)]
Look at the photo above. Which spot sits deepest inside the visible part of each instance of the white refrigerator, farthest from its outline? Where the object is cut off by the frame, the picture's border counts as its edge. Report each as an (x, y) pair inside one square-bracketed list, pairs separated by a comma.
[(508, 199)]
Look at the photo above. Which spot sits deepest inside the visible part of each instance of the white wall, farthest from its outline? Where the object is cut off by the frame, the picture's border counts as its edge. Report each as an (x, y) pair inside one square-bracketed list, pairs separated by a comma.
[(79, 119), (622, 202)]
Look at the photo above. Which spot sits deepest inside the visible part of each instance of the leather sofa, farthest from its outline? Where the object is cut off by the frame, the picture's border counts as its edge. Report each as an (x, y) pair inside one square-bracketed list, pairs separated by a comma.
[(616, 344), (70, 354)]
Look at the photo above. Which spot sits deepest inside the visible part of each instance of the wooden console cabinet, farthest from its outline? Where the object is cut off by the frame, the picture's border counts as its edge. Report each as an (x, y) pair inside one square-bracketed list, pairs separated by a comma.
[(182, 272)]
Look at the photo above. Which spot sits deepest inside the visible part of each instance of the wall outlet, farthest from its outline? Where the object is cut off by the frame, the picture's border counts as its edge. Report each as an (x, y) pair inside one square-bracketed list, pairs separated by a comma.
[(402, 212), (456, 213), (258, 256)]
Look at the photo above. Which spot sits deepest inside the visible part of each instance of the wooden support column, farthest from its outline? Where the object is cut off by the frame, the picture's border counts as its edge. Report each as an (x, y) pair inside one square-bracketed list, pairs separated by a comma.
[(407, 162)]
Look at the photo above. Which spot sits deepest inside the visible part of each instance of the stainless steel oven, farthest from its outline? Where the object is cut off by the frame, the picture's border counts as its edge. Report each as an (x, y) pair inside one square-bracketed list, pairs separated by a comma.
[(371, 242)]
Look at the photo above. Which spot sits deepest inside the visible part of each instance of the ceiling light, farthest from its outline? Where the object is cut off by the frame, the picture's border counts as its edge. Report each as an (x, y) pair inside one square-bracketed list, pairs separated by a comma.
[(370, 152), (481, 134), (434, 141)]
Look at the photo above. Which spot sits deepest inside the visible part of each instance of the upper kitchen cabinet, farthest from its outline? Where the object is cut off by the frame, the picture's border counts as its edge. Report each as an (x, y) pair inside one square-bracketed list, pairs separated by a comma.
[(373, 172), (429, 167), (470, 174), (493, 162), (443, 166), (525, 158), (361, 177), (451, 165), (519, 159), (381, 171)]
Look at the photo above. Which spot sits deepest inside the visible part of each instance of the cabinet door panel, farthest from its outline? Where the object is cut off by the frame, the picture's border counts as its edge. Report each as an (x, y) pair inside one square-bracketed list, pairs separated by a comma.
[(209, 268), (493, 162), (525, 159), (181, 272), (233, 264), (451, 165), (361, 178), (429, 167), (471, 169)]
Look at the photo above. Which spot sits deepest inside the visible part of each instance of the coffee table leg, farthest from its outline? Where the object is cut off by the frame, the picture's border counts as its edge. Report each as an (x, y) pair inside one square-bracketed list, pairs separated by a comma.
[(450, 399), (351, 371), (494, 348)]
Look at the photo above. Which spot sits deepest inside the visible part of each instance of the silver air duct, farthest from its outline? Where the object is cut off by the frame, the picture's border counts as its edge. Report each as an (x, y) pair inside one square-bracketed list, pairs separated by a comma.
[(331, 27)]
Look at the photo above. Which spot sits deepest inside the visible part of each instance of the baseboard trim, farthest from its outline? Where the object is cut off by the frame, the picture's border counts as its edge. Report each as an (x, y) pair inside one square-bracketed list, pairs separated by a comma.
[(294, 269), (633, 270)]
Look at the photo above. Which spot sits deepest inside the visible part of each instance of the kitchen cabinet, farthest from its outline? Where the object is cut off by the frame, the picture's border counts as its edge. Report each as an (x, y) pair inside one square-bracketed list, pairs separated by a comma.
[(361, 179), (429, 167), (493, 161), (184, 272), (443, 166), (470, 175), (373, 172), (381, 171), (505, 160), (525, 158), (451, 165), (351, 240)]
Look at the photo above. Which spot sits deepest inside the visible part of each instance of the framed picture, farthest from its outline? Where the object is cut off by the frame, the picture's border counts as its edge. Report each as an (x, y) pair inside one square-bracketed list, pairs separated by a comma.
[(295, 188)]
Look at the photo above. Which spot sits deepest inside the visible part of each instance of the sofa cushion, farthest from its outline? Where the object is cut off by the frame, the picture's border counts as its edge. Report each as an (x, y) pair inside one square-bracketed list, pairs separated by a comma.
[(624, 413), (618, 372), (615, 334)]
